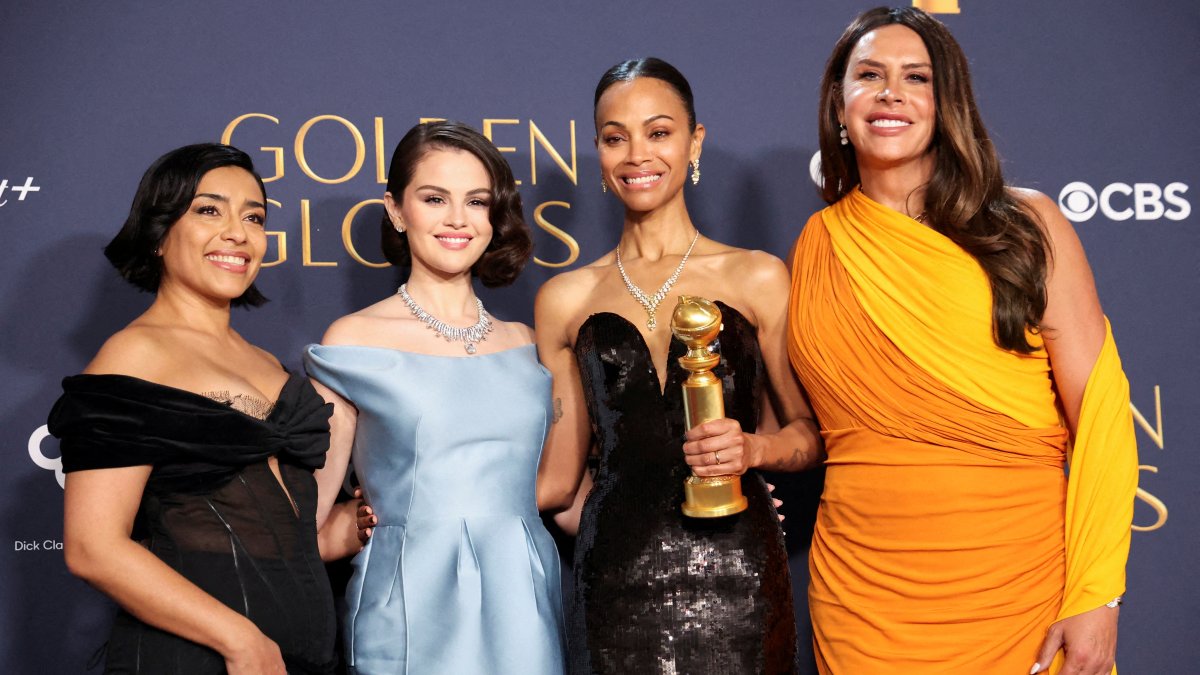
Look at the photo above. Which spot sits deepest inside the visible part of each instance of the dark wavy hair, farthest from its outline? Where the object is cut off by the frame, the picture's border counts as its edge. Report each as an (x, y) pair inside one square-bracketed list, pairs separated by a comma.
[(649, 66), (511, 245), (163, 196), (966, 198)]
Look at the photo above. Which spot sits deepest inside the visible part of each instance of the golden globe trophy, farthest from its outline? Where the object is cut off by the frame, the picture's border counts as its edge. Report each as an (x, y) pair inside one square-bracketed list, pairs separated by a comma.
[(696, 322)]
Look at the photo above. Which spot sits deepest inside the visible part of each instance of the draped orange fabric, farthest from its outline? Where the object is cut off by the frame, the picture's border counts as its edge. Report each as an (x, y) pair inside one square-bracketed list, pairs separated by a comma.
[(948, 538)]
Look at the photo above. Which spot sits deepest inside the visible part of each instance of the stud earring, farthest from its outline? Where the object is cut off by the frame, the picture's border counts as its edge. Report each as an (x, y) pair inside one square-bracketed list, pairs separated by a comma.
[(696, 172), (399, 225), (603, 185), (845, 136)]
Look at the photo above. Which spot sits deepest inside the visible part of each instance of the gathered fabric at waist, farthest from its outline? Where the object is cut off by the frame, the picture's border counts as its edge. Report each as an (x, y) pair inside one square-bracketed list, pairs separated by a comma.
[(902, 520), (1014, 446)]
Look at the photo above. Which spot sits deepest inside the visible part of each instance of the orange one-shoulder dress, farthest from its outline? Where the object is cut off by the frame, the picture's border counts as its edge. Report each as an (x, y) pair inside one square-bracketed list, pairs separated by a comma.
[(949, 537)]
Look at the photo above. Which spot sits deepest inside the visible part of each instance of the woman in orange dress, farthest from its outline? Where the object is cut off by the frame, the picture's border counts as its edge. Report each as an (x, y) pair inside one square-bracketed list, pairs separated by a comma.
[(948, 332)]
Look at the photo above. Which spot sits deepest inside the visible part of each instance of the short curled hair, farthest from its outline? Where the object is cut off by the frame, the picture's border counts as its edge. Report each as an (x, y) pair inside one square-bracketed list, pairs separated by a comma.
[(511, 244), (163, 197)]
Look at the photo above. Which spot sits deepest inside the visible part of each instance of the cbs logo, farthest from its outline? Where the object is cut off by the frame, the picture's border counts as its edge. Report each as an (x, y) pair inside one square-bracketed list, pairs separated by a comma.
[(1121, 201)]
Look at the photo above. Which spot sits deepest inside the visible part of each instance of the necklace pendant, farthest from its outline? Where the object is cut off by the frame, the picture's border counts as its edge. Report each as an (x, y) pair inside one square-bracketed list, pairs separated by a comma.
[(651, 323), (470, 347)]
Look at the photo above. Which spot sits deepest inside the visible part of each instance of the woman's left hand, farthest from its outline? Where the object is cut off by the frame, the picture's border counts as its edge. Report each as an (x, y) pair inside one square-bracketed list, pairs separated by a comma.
[(1088, 642), (718, 448)]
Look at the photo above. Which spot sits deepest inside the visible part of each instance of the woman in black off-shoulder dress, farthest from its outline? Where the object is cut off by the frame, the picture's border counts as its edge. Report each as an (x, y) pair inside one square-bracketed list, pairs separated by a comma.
[(190, 453), (656, 592)]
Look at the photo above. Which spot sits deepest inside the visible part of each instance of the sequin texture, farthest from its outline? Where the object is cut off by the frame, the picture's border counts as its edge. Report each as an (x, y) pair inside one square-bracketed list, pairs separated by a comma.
[(656, 592)]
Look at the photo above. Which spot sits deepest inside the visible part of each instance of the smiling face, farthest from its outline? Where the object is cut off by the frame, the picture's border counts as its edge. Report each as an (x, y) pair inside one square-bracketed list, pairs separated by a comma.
[(644, 143), (215, 249), (445, 211), (888, 103)]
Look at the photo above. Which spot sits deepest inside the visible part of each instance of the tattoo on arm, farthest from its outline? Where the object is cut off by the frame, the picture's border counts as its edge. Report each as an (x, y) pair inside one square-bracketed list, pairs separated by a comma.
[(558, 411), (787, 464)]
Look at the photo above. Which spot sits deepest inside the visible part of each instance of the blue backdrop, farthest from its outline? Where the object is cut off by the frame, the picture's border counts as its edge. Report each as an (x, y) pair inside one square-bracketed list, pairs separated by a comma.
[(1089, 102)]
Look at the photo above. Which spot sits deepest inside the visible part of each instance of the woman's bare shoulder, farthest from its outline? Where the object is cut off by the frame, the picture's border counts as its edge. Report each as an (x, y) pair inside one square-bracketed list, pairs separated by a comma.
[(138, 350), (358, 326), (514, 333)]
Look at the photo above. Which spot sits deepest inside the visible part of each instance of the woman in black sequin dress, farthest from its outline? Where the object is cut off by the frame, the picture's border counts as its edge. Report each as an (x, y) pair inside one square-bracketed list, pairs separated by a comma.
[(190, 497), (656, 592)]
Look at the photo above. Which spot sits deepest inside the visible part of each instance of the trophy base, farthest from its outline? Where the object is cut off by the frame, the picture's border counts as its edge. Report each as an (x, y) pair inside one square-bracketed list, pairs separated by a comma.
[(713, 496)]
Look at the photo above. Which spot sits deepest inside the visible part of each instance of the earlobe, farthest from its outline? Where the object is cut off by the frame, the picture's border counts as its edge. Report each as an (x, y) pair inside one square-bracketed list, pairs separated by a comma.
[(393, 211)]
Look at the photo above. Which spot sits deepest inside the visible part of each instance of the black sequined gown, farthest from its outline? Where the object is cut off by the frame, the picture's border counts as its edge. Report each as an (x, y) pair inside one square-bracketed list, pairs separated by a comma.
[(656, 592)]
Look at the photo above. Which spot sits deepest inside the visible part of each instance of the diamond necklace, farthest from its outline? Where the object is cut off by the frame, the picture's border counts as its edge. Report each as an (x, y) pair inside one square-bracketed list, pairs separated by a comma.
[(470, 335), (650, 303)]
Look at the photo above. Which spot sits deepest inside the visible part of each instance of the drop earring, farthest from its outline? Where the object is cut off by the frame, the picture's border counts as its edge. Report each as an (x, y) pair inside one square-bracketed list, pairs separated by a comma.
[(845, 136), (696, 172), (603, 185)]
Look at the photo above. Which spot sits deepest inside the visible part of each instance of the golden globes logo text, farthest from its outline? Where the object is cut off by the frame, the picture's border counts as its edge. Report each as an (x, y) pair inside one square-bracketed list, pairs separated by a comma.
[(357, 155)]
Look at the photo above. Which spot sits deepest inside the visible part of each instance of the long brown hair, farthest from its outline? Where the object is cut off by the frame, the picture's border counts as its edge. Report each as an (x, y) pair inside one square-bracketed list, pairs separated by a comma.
[(966, 198)]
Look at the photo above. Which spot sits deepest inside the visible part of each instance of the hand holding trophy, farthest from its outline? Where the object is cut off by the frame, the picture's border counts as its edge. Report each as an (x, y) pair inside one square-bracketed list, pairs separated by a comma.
[(696, 322)]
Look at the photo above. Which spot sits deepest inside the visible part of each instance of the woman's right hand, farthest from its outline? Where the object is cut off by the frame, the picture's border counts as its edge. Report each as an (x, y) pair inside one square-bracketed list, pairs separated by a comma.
[(258, 655), (366, 517)]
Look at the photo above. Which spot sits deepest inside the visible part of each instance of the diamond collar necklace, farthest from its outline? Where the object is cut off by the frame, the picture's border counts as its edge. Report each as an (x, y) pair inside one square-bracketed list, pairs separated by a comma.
[(650, 303), (471, 335)]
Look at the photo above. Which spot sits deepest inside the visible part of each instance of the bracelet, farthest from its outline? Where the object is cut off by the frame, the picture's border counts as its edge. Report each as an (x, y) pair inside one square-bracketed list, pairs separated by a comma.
[(1115, 602)]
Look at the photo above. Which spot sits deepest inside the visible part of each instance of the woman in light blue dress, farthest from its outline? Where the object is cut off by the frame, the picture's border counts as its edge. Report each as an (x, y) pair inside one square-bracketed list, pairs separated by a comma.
[(443, 410)]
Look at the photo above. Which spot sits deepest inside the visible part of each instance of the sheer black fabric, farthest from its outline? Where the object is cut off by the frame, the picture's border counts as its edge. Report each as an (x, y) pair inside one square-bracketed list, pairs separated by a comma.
[(213, 510), (656, 592)]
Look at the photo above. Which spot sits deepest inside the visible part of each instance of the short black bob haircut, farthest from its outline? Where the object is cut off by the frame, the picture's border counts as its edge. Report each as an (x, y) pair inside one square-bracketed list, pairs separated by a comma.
[(511, 244), (164, 195), (627, 71)]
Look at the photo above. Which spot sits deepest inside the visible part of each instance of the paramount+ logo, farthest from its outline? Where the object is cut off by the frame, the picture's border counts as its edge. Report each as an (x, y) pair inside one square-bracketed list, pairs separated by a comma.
[(1079, 202)]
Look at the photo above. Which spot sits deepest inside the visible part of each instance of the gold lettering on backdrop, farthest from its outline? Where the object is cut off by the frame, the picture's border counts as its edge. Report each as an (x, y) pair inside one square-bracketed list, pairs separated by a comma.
[(306, 237), (488, 123), (280, 240), (536, 136), (360, 149), (380, 167), (1155, 432), (937, 6), (1155, 503), (426, 120), (572, 245), (348, 225), (539, 142), (228, 134)]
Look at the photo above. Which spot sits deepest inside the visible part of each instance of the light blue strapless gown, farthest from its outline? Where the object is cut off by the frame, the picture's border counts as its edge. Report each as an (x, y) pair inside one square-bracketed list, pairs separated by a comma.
[(460, 577)]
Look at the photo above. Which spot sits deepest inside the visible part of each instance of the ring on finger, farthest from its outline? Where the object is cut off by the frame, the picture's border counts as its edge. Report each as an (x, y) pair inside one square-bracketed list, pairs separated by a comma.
[(717, 457)]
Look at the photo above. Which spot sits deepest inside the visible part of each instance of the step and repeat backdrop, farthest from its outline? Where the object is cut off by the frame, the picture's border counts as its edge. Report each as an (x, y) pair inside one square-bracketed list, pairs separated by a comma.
[(1090, 102)]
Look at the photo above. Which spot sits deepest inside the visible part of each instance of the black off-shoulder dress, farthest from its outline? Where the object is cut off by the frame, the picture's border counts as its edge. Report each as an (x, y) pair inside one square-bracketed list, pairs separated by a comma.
[(656, 592), (212, 509)]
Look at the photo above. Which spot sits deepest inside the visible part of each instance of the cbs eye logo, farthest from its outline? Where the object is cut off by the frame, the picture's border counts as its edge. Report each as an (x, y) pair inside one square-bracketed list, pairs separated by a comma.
[(40, 459), (1121, 201)]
